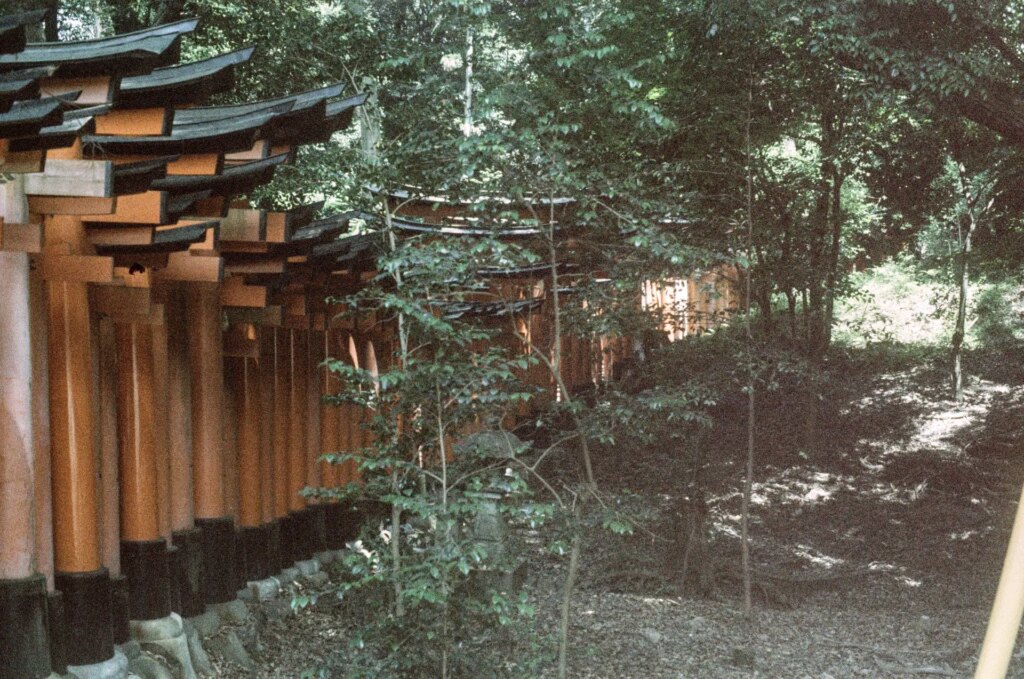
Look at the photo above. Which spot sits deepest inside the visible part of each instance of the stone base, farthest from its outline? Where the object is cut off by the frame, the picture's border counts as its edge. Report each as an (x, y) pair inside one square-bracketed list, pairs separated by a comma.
[(114, 668), (308, 567), (165, 638), (264, 590)]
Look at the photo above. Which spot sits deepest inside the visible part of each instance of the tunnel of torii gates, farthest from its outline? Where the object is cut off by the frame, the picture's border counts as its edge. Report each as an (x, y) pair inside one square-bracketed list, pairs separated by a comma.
[(161, 343)]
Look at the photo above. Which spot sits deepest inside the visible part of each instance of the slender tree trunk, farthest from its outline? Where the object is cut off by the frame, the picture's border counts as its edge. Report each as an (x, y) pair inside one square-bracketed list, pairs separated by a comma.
[(791, 312), (396, 512), (966, 223), (570, 583), (748, 479), (467, 118)]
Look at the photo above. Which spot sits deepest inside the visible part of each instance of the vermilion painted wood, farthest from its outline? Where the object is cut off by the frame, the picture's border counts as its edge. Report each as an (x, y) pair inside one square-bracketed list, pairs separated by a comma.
[(282, 419), (248, 400), (140, 515), (297, 425), (179, 413), (207, 390)]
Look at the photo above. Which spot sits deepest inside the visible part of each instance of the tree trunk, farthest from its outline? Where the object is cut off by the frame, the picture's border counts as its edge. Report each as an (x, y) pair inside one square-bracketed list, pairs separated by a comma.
[(965, 231)]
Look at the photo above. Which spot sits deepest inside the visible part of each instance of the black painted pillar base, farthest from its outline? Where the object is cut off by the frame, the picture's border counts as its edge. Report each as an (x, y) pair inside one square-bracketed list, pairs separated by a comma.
[(254, 548), (58, 632), (173, 590), (341, 524), (303, 542), (120, 609), (317, 528), (291, 541), (187, 571), (276, 554), (145, 564), (87, 616), (24, 629), (217, 540)]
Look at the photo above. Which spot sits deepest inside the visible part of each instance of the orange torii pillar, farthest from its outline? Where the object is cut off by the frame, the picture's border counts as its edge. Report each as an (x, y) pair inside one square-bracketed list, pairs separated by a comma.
[(300, 522), (207, 391), (330, 426), (268, 441), (253, 536), (144, 556), (314, 390), (24, 635), (80, 575), (187, 563), (342, 519), (105, 343), (282, 422)]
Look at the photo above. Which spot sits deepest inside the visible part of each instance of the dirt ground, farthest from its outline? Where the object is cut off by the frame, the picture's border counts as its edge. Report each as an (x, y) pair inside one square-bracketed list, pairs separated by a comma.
[(877, 552)]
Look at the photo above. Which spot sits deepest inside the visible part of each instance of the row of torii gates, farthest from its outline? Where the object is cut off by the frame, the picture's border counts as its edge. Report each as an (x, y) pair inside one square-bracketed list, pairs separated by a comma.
[(161, 344)]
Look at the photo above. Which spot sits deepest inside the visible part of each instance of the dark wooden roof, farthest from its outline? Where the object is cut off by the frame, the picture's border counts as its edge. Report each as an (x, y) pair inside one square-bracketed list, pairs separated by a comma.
[(294, 102), (164, 240), (184, 83), (335, 116), (13, 90), (12, 29), (180, 204), (234, 180), (451, 230), (233, 134), (120, 55), (28, 117), (57, 136), (415, 195), (453, 310), (139, 176)]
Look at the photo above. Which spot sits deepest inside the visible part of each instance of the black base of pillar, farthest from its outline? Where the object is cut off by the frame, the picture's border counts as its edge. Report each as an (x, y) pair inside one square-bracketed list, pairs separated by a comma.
[(187, 571), (120, 609), (87, 616), (317, 528), (290, 540), (276, 554), (58, 632), (254, 545), (218, 547), (173, 590), (24, 635), (302, 531), (149, 578), (341, 523)]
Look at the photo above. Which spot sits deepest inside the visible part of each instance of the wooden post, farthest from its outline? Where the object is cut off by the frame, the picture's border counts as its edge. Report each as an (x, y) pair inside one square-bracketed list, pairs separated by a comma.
[(328, 417), (207, 389), (254, 536), (187, 565), (23, 630), (161, 429), (282, 368), (282, 419), (143, 548), (298, 448), (268, 378), (80, 576), (1008, 607), (298, 423)]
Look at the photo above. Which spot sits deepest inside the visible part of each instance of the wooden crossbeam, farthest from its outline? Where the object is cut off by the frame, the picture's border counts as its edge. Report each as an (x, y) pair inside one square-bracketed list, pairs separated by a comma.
[(184, 266), (21, 237), (86, 178), (77, 268), (235, 293)]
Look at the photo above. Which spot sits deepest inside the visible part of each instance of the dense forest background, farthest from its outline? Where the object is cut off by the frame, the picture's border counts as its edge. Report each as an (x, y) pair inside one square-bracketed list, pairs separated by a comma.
[(857, 161), (869, 131)]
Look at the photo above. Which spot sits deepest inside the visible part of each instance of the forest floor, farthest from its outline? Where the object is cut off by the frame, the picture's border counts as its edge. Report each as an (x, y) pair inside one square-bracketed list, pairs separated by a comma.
[(876, 553)]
